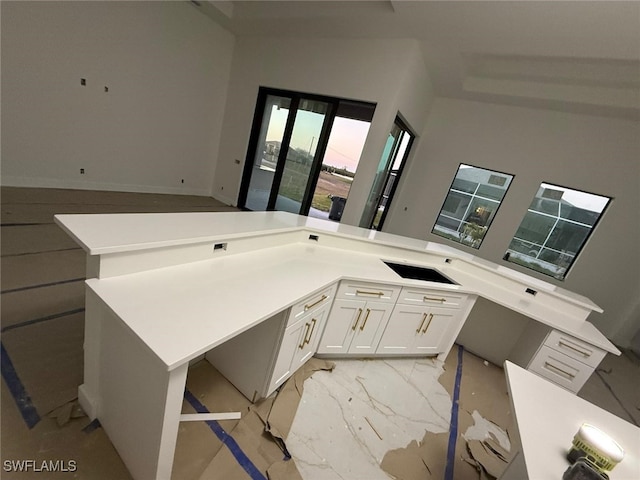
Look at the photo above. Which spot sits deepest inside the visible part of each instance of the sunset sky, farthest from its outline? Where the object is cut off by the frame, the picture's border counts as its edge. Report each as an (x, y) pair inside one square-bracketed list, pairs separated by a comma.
[(345, 142)]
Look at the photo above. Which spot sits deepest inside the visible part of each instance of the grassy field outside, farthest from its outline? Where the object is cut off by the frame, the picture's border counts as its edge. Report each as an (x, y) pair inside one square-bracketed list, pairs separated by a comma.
[(328, 185), (294, 181)]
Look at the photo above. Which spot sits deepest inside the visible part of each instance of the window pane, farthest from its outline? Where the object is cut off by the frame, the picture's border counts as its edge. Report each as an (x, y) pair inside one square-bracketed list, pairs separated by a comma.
[(472, 202), (555, 229)]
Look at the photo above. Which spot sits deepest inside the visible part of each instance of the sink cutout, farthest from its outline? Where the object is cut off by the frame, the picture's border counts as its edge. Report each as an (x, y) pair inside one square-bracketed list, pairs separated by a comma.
[(419, 273)]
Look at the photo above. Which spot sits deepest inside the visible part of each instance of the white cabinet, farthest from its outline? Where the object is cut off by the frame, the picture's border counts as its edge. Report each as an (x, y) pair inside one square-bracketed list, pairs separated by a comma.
[(298, 345), (423, 322), (416, 330), (354, 327), (559, 357), (565, 360), (358, 318), (288, 340)]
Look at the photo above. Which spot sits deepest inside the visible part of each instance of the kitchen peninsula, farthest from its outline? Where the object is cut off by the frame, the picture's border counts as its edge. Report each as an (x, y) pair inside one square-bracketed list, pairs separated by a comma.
[(165, 289)]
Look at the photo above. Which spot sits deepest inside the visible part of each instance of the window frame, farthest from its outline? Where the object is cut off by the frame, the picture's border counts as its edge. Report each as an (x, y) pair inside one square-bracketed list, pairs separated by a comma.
[(524, 264), (473, 196)]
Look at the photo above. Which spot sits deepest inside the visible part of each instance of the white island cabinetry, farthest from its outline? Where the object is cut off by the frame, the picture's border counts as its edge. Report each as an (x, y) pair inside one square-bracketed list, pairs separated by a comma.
[(301, 338), (288, 340), (424, 322), (358, 318)]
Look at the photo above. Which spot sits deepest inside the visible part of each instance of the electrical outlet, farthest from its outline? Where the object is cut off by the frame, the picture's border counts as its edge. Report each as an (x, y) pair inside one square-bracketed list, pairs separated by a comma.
[(182, 181), (82, 171), (83, 82)]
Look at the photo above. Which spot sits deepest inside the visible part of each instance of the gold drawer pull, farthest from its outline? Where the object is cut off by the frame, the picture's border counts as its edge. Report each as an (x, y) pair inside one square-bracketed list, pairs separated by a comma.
[(304, 338), (366, 317), (428, 323), (424, 317), (577, 350), (322, 299), (357, 320), (550, 366), (307, 340), (431, 299), (364, 292)]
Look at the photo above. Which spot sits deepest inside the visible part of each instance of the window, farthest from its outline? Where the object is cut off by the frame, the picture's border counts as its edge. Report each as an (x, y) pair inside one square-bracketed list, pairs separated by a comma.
[(471, 204), (555, 229)]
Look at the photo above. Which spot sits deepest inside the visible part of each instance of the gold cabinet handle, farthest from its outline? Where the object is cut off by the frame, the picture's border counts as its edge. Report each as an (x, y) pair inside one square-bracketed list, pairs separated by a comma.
[(308, 306), (550, 366), (307, 340), (304, 338), (428, 323), (424, 317), (366, 317), (431, 299), (364, 292), (577, 350), (357, 320)]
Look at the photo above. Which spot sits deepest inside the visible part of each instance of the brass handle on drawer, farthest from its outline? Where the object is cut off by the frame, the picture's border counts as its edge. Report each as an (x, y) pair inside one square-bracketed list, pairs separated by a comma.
[(364, 292), (424, 317), (322, 299), (431, 299), (304, 338), (366, 317), (428, 323), (577, 350), (357, 320), (307, 340), (548, 366)]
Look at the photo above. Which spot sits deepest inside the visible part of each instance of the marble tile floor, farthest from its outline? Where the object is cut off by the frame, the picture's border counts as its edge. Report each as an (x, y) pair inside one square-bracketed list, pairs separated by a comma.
[(349, 418)]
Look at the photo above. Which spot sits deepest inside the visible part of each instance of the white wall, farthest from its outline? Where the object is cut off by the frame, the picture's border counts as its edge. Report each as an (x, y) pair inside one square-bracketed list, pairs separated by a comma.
[(388, 72), (596, 154), (167, 68)]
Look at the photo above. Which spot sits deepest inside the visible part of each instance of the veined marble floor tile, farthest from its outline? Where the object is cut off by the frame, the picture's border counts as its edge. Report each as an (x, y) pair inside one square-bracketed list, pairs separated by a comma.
[(349, 418)]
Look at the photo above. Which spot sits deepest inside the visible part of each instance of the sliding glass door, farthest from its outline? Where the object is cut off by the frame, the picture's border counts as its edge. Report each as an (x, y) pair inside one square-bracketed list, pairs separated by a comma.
[(289, 139), (298, 170), (265, 158)]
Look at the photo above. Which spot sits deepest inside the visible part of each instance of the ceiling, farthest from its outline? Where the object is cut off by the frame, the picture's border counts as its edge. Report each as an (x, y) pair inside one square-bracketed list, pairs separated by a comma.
[(577, 56)]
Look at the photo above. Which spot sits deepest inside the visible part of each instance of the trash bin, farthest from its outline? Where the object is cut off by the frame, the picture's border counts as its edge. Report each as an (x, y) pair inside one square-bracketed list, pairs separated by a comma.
[(337, 206)]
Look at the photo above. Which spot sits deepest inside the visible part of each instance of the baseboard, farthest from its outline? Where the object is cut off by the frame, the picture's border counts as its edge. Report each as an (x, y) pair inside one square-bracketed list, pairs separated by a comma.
[(40, 182), (224, 199)]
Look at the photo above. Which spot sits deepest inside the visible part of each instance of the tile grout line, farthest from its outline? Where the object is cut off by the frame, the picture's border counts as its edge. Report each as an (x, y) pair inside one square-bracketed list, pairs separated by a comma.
[(453, 429), (39, 252), (20, 396), (235, 449), (42, 319), (42, 285)]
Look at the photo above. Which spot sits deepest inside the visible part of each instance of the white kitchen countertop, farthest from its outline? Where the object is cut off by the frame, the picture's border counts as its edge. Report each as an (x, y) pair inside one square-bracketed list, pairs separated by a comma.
[(182, 311), (548, 417)]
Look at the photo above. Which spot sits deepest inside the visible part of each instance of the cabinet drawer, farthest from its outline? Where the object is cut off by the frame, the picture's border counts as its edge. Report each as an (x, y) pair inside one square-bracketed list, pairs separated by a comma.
[(311, 303), (368, 291), (574, 348), (416, 296), (561, 369)]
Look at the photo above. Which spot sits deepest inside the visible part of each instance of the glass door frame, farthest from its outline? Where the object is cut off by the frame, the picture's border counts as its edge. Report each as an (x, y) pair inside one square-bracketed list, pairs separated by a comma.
[(254, 139), (369, 217)]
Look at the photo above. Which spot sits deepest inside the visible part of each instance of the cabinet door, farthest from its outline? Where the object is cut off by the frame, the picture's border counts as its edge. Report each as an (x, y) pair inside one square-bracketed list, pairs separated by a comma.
[(308, 341), (343, 321), (433, 332), (284, 367), (368, 331), (405, 325)]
